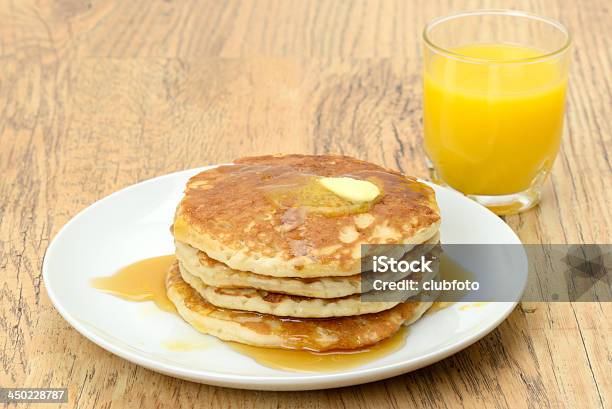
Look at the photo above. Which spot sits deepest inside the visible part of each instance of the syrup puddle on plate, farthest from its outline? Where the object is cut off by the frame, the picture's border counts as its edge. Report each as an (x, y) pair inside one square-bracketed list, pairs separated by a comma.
[(333, 361), (144, 280)]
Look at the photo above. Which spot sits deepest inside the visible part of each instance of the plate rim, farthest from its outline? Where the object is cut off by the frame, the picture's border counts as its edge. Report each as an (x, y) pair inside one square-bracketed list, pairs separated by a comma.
[(300, 381)]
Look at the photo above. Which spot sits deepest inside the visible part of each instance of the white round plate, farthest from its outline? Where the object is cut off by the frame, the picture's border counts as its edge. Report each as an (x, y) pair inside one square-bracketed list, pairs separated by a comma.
[(133, 224)]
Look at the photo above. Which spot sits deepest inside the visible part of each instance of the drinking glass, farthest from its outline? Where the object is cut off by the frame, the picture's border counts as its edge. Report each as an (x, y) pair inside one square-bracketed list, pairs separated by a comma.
[(494, 86)]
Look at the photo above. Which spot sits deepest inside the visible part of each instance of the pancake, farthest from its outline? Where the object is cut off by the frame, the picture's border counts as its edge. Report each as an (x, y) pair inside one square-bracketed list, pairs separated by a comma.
[(285, 305), (265, 215), (216, 274), (323, 334)]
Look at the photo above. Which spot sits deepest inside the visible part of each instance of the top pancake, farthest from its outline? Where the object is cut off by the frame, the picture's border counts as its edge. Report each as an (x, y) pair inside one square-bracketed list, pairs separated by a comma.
[(228, 213)]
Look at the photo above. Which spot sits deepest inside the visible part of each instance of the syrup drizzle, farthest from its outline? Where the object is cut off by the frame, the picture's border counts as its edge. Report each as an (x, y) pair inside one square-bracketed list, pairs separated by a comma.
[(144, 280)]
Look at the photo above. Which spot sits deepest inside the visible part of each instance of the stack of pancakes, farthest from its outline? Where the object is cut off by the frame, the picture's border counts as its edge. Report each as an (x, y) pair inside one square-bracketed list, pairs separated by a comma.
[(267, 256)]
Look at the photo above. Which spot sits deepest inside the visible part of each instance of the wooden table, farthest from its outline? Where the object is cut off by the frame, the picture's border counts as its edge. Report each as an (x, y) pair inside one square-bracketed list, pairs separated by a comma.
[(95, 96)]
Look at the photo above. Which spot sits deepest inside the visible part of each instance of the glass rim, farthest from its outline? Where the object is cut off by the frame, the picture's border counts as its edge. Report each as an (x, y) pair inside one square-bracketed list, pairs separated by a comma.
[(451, 54)]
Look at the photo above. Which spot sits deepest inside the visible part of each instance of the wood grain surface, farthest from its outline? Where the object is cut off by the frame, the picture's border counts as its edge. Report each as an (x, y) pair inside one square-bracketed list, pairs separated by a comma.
[(98, 95)]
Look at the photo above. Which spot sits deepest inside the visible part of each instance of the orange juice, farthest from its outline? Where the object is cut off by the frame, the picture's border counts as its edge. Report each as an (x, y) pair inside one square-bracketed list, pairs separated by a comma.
[(493, 123)]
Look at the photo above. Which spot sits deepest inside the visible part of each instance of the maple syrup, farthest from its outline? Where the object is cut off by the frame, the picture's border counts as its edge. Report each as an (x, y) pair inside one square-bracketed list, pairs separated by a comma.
[(333, 361), (143, 280)]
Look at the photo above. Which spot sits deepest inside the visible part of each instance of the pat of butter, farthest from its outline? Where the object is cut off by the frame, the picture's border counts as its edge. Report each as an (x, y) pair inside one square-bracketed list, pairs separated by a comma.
[(351, 189)]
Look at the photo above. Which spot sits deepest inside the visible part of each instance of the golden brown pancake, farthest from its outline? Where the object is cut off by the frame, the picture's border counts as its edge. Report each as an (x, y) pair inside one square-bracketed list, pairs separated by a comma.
[(261, 215), (317, 334), (213, 273), (286, 305)]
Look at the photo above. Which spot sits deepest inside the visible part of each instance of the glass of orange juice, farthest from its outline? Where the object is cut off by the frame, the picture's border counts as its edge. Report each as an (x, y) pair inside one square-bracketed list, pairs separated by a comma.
[(493, 103)]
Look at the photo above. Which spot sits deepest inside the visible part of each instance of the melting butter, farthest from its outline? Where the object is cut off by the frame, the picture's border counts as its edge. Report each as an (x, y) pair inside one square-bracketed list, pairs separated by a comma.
[(351, 189)]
